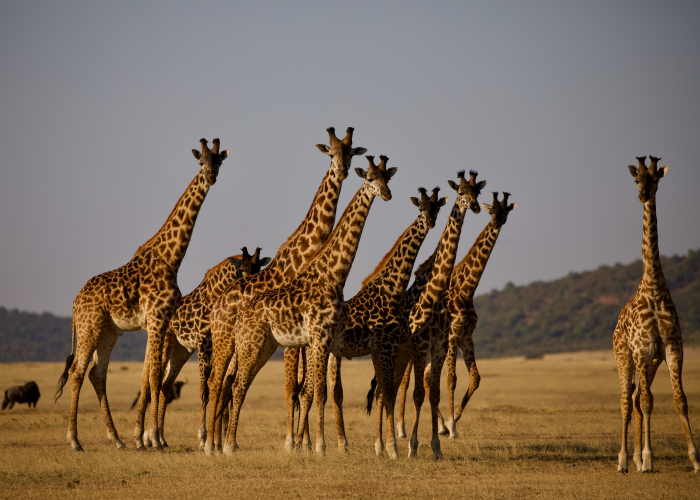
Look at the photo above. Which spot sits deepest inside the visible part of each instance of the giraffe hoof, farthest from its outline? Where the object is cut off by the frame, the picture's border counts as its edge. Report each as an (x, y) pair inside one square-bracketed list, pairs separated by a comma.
[(622, 471), (76, 448)]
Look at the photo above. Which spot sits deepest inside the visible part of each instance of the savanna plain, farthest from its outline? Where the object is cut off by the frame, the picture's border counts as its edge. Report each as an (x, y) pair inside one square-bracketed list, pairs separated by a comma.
[(544, 428)]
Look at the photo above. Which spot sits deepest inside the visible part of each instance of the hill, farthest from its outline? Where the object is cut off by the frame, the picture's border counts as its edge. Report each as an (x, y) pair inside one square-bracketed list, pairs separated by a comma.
[(578, 312), (574, 313)]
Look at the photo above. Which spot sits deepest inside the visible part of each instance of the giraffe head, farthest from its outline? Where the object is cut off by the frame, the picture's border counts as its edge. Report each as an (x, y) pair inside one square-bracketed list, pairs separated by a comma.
[(468, 190), (500, 209), (340, 151), (429, 206), (210, 160), (647, 178), (377, 177), (249, 264)]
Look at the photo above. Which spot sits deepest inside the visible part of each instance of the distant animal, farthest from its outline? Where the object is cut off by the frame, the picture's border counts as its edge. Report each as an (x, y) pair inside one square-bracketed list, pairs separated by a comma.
[(27, 393), (169, 398)]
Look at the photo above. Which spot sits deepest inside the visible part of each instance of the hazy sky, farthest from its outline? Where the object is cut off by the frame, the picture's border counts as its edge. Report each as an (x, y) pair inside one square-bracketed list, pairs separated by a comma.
[(101, 103)]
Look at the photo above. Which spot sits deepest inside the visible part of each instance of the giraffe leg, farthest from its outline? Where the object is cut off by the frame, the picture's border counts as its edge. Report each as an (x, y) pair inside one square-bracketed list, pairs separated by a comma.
[(141, 437), (249, 354), (291, 392), (222, 417), (318, 356), (204, 365), (178, 356), (306, 397), (469, 356), (386, 381), (646, 377), (448, 428), (436, 364), (86, 343), (98, 378), (220, 362), (337, 392), (156, 336), (625, 372), (405, 375), (379, 396), (419, 367), (674, 359)]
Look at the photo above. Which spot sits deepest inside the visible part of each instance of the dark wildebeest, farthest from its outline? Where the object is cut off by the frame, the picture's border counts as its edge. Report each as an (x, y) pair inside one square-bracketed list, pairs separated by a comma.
[(174, 394), (27, 393)]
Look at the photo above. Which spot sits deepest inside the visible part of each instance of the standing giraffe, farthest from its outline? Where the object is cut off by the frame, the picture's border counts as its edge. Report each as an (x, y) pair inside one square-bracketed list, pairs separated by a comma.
[(459, 317), (189, 329), (648, 332), (291, 257), (428, 343), (142, 294), (376, 325), (310, 311)]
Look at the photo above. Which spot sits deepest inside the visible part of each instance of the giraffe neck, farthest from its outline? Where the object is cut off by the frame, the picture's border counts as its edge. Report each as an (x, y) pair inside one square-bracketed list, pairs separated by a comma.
[(397, 272), (219, 278), (311, 234), (337, 255), (653, 277), (171, 241), (467, 274), (444, 260)]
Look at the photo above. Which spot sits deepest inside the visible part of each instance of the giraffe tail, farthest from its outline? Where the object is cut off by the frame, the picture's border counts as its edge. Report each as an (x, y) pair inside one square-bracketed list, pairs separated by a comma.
[(370, 396), (227, 389), (69, 362)]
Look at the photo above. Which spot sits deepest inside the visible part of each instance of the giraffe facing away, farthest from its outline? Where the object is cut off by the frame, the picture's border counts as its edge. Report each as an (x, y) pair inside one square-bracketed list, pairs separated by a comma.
[(310, 311), (459, 317), (376, 325), (647, 333), (291, 257), (428, 343), (189, 329), (142, 294)]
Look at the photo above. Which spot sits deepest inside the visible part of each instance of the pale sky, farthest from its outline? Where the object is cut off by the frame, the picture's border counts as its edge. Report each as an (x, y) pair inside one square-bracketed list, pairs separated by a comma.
[(101, 103)]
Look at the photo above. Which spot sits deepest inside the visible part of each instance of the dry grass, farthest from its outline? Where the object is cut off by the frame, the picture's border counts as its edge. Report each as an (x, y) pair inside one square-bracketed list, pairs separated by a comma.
[(536, 428)]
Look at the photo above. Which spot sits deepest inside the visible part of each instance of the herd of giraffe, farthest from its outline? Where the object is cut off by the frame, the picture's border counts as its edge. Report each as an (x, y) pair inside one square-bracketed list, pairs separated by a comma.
[(247, 306)]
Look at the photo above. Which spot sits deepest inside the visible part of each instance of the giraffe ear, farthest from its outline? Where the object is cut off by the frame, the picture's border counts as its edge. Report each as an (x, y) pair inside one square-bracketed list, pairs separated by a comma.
[(224, 154), (235, 262), (453, 185), (361, 172), (391, 171), (358, 151), (486, 206), (264, 261), (512, 206), (480, 185), (415, 201), (443, 201), (196, 154), (323, 149), (662, 172), (633, 170)]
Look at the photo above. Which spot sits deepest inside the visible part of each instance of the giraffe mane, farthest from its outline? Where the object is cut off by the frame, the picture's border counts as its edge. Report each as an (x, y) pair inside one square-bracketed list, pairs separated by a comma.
[(145, 245), (478, 238), (386, 258), (218, 266), (427, 264), (301, 225), (333, 234)]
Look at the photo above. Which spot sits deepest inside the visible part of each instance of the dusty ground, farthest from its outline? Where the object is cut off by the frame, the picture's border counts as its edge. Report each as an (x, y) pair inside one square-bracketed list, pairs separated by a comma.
[(544, 428)]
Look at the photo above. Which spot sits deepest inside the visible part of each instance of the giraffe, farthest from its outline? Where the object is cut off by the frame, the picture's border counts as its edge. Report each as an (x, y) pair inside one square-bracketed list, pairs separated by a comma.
[(189, 329), (459, 317), (141, 294), (294, 254), (376, 325), (428, 343), (310, 311), (648, 332)]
